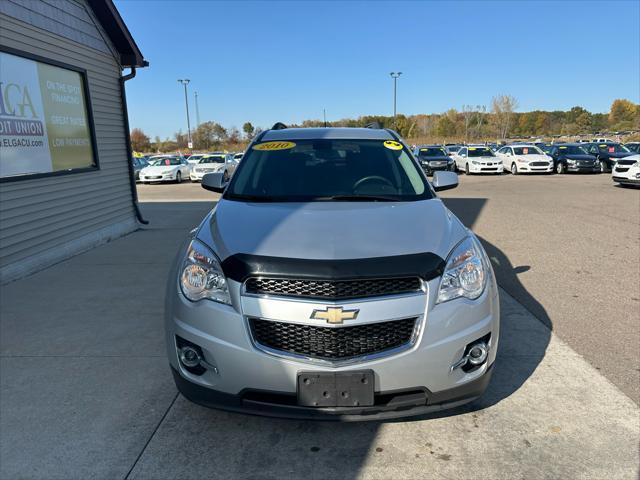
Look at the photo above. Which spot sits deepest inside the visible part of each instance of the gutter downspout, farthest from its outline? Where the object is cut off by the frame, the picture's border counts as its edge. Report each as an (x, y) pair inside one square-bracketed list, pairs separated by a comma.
[(127, 135)]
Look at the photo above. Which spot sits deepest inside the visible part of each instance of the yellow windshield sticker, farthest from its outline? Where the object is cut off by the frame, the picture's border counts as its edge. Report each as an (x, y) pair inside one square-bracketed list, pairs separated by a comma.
[(391, 145), (472, 148), (563, 148), (271, 146)]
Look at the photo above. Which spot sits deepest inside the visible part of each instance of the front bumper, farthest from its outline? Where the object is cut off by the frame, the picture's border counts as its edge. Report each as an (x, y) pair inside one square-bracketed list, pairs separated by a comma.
[(428, 169), (583, 168), (157, 178), (245, 375), (483, 168), (388, 405), (526, 168)]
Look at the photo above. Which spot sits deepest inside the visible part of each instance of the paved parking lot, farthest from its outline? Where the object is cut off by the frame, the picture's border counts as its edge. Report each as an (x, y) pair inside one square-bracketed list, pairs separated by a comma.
[(87, 393)]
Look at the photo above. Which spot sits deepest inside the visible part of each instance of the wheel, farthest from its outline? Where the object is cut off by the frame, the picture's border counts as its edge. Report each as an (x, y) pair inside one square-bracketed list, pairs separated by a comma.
[(178, 177), (603, 166), (466, 168), (225, 177), (514, 169), (560, 168)]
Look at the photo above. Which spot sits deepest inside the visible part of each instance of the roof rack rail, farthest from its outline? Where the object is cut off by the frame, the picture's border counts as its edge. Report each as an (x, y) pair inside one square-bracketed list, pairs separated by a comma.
[(278, 126), (375, 125)]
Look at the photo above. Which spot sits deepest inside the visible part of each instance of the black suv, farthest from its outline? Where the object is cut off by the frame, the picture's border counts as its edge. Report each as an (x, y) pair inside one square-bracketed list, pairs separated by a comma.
[(607, 153), (572, 157), (433, 158)]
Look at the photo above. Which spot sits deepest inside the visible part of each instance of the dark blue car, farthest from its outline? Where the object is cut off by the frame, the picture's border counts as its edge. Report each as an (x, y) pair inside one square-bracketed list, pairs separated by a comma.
[(607, 153), (572, 157), (433, 158)]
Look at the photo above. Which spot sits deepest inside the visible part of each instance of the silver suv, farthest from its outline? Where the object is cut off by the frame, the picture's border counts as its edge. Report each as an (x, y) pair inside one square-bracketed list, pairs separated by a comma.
[(331, 282)]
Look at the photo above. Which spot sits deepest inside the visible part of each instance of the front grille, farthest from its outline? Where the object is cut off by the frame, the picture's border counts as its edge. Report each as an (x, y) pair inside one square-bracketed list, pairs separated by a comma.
[(622, 169), (539, 164), (332, 289), (332, 343), (626, 162)]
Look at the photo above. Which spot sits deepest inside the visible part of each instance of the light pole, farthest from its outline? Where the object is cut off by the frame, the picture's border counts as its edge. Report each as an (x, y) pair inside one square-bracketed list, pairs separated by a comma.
[(185, 82), (197, 111), (395, 76)]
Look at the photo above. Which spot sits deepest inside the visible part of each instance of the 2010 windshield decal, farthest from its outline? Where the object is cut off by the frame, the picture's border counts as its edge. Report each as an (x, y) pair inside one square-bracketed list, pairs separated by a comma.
[(272, 146)]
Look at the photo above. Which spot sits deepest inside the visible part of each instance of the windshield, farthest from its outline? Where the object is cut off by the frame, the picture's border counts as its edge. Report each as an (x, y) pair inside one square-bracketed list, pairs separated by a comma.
[(613, 148), (571, 150), (480, 152), (163, 161), (194, 158), (213, 159), (527, 151), (328, 170), (432, 152), (453, 149)]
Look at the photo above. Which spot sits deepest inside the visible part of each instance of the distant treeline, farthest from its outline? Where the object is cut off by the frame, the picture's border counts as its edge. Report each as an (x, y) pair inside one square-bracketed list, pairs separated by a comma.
[(471, 123)]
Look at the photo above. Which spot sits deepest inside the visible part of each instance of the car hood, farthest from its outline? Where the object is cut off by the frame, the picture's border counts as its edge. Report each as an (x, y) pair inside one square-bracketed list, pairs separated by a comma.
[(158, 169), (534, 158), (484, 159), (331, 230), (619, 154), (435, 159)]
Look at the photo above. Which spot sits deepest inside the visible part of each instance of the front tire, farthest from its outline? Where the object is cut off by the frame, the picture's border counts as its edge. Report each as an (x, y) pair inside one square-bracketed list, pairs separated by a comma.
[(178, 177), (514, 169), (466, 169), (560, 168), (225, 177)]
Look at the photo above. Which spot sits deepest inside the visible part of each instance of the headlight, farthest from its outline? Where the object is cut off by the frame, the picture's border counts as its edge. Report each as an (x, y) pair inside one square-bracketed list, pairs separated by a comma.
[(637, 165), (167, 172), (475, 163), (466, 272), (571, 161), (201, 275)]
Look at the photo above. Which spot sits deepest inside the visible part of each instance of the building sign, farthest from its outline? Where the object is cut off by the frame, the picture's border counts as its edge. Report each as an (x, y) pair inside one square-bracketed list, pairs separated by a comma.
[(44, 124)]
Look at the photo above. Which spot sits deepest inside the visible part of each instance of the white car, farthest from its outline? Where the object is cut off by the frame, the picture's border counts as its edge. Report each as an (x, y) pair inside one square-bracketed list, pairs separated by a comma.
[(477, 159), (194, 158), (627, 171), (165, 168), (238, 156), (525, 159), (214, 163)]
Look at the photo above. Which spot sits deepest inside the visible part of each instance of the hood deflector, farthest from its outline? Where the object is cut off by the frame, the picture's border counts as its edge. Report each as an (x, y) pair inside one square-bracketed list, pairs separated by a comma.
[(241, 266)]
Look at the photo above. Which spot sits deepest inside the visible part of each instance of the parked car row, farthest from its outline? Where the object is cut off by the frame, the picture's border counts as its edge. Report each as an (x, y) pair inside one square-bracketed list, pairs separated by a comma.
[(176, 168), (592, 157)]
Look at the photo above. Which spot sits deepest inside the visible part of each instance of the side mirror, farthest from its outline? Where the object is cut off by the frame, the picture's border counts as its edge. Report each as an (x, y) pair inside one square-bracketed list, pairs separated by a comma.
[(214, 182), (444, 181)]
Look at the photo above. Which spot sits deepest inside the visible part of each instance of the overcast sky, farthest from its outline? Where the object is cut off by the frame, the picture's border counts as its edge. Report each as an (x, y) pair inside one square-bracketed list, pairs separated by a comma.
[(285, 61)]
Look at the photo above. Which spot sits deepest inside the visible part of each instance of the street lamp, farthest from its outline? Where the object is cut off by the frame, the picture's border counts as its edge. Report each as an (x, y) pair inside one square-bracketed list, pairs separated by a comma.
[(395, 76), (185, 82)]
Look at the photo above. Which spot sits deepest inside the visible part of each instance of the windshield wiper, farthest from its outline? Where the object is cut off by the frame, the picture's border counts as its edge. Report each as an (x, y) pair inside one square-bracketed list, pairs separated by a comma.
[(357, 198)]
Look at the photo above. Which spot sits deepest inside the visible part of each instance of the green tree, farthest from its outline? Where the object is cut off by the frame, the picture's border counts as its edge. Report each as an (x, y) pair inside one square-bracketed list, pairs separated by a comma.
[(248, 130)]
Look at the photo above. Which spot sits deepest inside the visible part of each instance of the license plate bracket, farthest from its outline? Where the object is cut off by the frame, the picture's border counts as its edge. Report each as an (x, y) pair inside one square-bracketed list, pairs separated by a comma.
[(336, 389)]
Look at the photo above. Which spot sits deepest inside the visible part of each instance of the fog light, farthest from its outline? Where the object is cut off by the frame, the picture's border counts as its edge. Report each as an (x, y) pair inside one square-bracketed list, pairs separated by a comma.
[(478, 354), (189, 357)]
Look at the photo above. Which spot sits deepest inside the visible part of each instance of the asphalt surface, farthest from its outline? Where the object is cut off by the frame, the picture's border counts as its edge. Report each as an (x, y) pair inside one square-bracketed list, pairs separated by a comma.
[(86, 392), (565, 246), (572, 248)]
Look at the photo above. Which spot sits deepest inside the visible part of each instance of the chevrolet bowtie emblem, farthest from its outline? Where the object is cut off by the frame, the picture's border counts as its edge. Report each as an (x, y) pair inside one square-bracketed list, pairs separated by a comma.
[(334, 315)]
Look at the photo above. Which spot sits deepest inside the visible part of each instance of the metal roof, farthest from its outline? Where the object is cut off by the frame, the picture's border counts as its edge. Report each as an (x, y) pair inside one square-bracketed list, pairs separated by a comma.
[(327, 133)]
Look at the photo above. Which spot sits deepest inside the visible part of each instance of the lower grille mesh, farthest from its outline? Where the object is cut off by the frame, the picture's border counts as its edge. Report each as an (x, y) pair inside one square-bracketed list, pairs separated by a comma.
[(332, 343)]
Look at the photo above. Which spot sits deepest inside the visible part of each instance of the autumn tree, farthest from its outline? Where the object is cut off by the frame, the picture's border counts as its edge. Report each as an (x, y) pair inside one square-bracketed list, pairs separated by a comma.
[(503, 108), (624, 115), (139, 141)]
